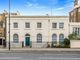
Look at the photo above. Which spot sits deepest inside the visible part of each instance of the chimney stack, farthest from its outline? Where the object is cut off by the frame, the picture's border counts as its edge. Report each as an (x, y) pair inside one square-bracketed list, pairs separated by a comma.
[(76, 4)]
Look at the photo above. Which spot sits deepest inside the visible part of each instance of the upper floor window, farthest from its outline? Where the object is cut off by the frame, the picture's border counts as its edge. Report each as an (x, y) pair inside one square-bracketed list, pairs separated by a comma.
[(39, 25), (61, 25), (1, 24), (15, 25), (79, 9), (0, 34), (54, 25), (27, 25), (76, 30)]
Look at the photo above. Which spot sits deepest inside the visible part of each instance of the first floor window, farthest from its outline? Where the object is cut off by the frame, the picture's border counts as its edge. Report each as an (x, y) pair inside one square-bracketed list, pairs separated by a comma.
[(76, 30), (27, 25), (1, 24), (0, 34), (61, 25), (39, 25), (54, 25), (79, 9), (15, 38), (39, 38), (15, 25)]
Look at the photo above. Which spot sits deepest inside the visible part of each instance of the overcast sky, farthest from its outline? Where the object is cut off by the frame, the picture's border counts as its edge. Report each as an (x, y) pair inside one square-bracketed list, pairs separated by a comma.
[(38, 7)]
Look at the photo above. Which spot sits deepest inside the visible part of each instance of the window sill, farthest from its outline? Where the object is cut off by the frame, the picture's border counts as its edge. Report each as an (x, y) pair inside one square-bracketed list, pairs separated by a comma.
[(15, 29), (27, 29), (39, 29), (62, 29), (57, 29)]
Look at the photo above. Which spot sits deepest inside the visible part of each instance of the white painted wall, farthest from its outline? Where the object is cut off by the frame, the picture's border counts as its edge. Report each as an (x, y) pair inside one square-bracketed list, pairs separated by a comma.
[(71, 25), (46, 29), (75, 44)]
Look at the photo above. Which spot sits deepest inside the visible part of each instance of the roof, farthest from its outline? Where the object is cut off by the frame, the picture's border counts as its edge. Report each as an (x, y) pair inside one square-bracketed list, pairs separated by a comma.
[(39, 16)]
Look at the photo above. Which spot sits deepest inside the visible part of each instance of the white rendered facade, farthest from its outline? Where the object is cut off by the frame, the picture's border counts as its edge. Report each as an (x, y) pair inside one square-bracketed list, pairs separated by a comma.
[(46, 29)]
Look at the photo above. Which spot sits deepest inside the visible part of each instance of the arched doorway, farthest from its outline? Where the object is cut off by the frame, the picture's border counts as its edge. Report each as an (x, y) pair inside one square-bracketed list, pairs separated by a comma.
[(27, 40)]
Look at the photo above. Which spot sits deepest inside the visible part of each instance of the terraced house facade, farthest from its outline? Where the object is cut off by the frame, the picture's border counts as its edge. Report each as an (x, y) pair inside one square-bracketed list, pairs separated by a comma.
[(37, 31)]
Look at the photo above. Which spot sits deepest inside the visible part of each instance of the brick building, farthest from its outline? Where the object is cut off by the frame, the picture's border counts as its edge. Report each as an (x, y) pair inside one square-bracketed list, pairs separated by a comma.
[(74, 15), (2, 29)]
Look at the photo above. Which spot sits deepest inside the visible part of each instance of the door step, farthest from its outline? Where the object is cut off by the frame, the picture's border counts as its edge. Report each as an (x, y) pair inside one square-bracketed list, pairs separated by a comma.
[(27, 47)]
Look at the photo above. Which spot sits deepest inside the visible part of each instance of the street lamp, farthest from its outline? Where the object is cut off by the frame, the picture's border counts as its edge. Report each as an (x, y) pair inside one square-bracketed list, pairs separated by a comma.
[(9, 26)]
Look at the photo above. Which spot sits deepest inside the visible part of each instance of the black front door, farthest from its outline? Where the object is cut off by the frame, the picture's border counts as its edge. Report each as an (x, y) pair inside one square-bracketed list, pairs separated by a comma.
[(0, 41)]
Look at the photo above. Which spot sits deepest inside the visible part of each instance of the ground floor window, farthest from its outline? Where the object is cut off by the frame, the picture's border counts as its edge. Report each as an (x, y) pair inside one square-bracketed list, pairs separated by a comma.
[(61, 37), (54, 38), (15, 38), (39, 38)]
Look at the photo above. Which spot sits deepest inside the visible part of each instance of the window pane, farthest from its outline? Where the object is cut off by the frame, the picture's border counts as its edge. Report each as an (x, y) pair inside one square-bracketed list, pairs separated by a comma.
[(0, 34), (54, 25), (54, 37), (1, 24), (15, 38), (61, 25), (39, 38), (15, 25), (61, 37), (79, 9), (39, 25), (27, 25), (76, 30)]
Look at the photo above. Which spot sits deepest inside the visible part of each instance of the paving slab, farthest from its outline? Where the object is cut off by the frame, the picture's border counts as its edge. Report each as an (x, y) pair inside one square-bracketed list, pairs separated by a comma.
[(40, 49)]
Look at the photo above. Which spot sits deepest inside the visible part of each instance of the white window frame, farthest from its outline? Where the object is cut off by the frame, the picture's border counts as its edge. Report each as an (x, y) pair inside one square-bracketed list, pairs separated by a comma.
[(39, 25), (39, 38), (61, 25), (54, 37), (15, 24), (54, 25), (61, 37), (27, 25), (15, 38)]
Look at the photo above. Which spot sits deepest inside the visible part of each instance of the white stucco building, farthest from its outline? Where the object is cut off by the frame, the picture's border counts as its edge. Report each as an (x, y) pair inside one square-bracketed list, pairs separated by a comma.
[(74, 27), (37, 30)]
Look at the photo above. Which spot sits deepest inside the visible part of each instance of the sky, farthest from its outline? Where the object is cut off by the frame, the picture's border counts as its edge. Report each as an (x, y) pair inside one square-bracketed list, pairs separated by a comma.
[(38, 7)]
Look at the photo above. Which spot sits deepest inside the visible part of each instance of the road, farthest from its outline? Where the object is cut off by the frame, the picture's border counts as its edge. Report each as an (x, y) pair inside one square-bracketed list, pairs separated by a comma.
[(41, 56)]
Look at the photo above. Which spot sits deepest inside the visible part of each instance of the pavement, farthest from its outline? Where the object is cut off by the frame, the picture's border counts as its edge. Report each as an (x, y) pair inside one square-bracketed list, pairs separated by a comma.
[(39, 49)]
